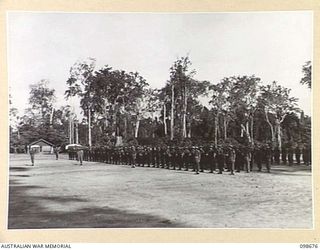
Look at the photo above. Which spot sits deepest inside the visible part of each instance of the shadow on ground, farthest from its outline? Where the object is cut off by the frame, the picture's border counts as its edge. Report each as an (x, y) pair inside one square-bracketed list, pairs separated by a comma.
[(18, 169), (25, 213), (297, 170)]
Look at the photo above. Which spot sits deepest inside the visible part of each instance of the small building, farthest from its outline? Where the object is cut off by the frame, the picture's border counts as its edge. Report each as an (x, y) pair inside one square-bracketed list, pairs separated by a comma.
[(42, 146)]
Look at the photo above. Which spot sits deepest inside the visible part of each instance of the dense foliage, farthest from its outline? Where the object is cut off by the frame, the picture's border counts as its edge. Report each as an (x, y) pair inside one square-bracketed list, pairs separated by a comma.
[(120, 105)]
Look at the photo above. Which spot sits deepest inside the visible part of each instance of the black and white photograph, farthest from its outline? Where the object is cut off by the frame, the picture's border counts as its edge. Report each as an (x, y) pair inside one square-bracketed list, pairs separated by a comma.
[(160, 120)]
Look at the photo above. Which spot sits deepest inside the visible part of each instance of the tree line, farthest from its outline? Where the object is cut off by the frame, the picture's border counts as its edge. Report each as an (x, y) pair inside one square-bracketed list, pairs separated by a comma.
[(120, 107)]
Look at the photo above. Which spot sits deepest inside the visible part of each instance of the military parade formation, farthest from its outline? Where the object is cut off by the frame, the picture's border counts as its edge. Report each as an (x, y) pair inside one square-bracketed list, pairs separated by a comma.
[(209, 158)]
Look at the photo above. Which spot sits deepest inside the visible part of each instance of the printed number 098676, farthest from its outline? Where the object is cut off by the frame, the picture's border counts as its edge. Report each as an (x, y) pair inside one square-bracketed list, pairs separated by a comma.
[(308, 245)]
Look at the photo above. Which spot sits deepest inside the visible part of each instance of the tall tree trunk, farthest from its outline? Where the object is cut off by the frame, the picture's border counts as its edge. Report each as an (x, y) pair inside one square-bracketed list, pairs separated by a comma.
[(271, 127), (69, 130), (245, 129), (251, 128), (248, 131), (77, 133), (51, 117), (184, 114), (165, 119), (190, 129), (136, 131), (225, 128), (73, 135), (89, 128), (278, 129), (18, 131), (172, 113), (125, 125), (216, 130)]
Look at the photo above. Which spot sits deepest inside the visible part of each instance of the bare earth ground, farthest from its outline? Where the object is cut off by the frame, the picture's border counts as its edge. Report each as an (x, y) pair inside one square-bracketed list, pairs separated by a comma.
[(62, 194)]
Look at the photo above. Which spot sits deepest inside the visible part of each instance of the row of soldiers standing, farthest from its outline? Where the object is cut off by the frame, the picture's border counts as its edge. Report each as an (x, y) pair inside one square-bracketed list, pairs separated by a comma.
[(198, 159)]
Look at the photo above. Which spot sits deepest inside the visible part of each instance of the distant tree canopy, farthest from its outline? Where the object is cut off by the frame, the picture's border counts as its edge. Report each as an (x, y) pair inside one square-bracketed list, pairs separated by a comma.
[(117, 103), (307, 74), (40, 119)]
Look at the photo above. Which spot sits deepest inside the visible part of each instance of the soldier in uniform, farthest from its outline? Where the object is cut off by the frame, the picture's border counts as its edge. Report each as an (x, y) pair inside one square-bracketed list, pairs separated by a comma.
[(197, 158), (239, 159), (309, 153), (211, 159), (204, 163), (158, 156), (276, 154), (85, 154), (150, 156), (268, 155), (220, 159), (133, 156), (80, 156), (174, 157), (139, 156), (128, 156), (163, 157), (118, 153), (168, 156), (284, 155), (32, 152), (56, 151), (290, 156), (98, 156), (186, 158), (298, 154), (259, 157), (231, 159), (154, 156), (247, 159), (146, 156), (306, 155), (180, 158), (122, 156)]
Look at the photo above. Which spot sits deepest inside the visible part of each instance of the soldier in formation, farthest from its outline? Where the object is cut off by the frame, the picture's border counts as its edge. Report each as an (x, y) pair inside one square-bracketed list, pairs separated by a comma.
[(231, 158)]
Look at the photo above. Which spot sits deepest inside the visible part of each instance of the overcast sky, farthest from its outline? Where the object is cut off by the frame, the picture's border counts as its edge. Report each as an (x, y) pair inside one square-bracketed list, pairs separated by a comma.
[(270, 45)]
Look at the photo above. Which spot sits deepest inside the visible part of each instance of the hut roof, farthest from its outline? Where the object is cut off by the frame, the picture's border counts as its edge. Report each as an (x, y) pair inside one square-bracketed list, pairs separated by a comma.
[(43, 141)]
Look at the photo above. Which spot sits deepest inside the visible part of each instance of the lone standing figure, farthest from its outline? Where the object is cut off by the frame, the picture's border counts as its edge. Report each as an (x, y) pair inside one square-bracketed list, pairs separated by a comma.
[(80, 156), (32, 152)]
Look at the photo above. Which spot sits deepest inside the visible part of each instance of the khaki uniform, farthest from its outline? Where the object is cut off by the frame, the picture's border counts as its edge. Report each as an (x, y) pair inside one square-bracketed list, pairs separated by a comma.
[(80, 156)]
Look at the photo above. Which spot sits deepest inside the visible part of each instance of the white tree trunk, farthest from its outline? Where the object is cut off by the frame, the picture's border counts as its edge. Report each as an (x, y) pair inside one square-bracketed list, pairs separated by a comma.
[(165, 119), (190, 129), (216, 130), (245, 129), (271, 126), (89, 128), (136, 132), (77, 133), (70, 131), (125, 126), (278, 129), (184, 127), (172, 114), (184, 117), (251, 128), (248, 131), (225, 128)]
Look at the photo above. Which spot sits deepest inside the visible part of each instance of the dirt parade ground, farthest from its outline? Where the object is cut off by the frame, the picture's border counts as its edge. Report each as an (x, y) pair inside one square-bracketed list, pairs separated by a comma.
[(63, 194)]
